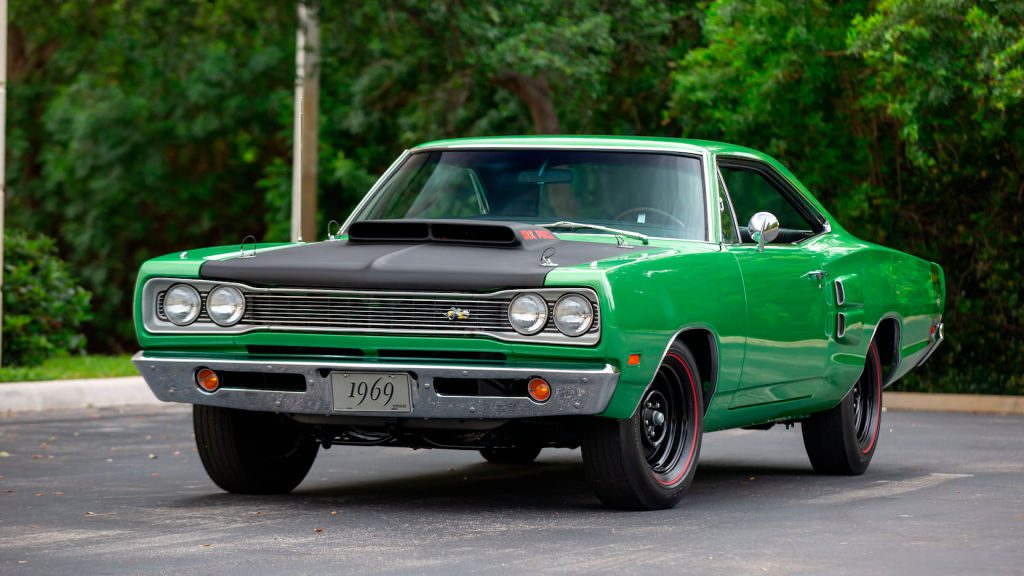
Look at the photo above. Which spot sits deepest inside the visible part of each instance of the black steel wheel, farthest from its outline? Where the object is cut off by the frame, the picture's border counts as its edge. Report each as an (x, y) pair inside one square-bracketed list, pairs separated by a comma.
[(648, 461), (843, 440), (252, 452), (514, 455)]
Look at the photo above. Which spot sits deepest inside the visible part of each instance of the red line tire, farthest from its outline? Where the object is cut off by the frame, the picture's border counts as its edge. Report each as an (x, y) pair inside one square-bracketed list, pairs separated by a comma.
[(648, 461), (248, 452), (842, 440)]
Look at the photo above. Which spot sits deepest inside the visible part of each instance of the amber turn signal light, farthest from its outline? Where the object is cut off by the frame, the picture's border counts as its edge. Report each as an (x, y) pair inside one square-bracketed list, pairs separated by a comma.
[(207, 380), (634, 360), (539, 389)]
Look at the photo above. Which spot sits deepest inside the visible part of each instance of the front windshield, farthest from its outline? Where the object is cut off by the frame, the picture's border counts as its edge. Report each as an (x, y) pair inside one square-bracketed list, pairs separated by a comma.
[(653, 194)]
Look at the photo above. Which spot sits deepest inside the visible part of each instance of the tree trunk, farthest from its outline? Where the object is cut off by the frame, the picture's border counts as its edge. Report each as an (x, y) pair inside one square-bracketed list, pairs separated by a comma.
[(535, 92)]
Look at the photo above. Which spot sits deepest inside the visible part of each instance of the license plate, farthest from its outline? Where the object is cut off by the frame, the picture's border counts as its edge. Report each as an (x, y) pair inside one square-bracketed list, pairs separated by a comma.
[(370, 392)]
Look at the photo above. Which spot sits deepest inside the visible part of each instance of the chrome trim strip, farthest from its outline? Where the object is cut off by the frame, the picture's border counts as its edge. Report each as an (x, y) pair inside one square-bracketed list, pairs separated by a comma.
[(574, 392), (679, 148), (154, 324)]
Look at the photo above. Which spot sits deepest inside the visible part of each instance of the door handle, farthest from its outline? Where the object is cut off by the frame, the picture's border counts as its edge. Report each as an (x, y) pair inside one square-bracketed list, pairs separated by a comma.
[(818, 275)]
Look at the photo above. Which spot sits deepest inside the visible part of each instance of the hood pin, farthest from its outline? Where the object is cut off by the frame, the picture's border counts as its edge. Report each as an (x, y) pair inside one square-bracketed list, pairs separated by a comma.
[(545, 258), (245, 241)]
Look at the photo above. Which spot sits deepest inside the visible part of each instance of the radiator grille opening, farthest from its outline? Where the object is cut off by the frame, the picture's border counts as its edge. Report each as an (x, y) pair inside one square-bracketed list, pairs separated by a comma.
[(502, 388), (303, 351), (275, 382), (491, 357)]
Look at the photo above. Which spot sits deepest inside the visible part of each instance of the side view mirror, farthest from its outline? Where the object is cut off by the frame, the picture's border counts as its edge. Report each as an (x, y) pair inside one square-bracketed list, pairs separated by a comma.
[(763, 228)]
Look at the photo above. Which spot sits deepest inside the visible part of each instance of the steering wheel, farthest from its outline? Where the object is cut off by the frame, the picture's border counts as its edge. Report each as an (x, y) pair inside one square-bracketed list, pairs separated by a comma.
[(656, 211)]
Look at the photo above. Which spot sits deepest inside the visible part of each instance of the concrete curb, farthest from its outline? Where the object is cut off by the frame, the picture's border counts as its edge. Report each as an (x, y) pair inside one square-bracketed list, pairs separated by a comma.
[(967, 403), (70, 394)]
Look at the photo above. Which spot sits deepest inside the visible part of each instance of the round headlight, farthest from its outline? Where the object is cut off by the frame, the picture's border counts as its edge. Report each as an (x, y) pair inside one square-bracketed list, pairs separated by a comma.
[(182, 304), (528, 313), (225, 305), (573, 315)]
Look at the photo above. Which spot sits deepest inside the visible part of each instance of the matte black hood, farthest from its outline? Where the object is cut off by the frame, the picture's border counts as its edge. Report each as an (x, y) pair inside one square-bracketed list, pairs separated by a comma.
[(443, 255)]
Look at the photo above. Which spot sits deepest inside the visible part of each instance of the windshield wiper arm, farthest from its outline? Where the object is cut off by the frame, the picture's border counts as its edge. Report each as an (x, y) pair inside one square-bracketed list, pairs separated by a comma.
[(567, 225)]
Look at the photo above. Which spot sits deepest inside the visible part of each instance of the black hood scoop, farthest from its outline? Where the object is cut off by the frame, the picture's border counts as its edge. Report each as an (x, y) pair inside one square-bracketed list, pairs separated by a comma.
[(442, 231), (398, 255)]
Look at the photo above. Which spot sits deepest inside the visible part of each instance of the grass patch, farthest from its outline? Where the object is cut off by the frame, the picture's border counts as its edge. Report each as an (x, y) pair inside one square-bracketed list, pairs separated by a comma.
[(68, 367)]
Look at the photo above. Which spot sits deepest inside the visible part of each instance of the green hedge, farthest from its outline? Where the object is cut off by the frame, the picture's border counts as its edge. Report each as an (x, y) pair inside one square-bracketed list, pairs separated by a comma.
[(44, 307)]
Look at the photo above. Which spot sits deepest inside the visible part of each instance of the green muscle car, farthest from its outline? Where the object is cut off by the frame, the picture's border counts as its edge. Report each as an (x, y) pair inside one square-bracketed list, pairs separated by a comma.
[(623, 295)]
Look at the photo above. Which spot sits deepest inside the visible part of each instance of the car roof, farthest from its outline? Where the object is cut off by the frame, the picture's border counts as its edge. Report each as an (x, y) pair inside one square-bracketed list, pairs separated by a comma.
[(621, 142)]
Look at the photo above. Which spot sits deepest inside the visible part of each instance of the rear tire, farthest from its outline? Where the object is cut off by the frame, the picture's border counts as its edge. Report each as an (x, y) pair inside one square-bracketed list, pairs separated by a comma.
[(248, 452), (516, 455), (649, 460), (842, 440)]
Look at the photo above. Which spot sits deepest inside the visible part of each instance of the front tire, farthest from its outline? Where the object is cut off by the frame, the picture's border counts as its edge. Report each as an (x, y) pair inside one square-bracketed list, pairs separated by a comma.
[(649, 460), (248, 452), (842, 440)]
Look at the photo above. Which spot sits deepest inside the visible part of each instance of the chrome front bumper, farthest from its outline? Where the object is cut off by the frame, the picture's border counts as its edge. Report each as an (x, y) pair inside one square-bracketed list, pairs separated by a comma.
[(574, 392)]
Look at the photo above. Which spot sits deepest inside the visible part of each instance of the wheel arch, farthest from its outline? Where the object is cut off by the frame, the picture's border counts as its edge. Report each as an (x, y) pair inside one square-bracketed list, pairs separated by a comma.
[(886, 336), (703, 344)]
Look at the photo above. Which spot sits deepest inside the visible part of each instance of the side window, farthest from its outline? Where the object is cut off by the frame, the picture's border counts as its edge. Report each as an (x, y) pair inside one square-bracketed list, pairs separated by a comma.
[(730, 233), (752, 192)]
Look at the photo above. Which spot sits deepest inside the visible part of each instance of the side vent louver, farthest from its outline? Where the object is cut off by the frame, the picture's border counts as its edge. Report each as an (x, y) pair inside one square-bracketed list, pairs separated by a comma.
[(840, 293), (840, 325)]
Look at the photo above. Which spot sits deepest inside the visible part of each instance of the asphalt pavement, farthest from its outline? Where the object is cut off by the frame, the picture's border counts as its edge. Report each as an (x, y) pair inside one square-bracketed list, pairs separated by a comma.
[(122, 491)]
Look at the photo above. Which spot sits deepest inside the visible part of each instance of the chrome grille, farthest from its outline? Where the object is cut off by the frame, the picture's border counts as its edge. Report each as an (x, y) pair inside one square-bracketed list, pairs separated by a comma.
[(316, 310), (375, 313)]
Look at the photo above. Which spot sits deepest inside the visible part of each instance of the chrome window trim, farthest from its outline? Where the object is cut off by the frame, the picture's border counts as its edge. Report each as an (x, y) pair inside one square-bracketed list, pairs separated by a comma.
[(826, 226), (682, 150), (723, 188), (153, 324)]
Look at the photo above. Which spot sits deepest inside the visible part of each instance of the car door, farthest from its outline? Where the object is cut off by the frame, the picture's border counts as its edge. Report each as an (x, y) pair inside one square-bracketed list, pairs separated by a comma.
[(786, 346)]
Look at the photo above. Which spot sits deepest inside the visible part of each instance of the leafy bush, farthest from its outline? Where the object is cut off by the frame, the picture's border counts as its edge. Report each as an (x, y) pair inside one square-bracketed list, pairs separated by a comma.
[(44, 307)]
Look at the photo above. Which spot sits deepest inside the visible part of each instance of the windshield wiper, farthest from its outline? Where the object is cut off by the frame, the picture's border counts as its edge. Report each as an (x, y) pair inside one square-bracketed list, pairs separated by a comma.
[(567, 225)]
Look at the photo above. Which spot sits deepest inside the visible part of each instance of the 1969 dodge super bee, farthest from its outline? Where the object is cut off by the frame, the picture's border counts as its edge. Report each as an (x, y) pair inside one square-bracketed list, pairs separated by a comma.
[(623, 295)]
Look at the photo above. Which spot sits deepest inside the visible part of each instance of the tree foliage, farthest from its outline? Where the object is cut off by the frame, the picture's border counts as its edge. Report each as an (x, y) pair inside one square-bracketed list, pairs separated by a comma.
[(905, 118), (146, 127), (44, 308)]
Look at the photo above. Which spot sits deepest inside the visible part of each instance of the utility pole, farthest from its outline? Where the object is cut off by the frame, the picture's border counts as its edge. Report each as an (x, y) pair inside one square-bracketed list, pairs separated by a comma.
[(3, 156), (307, 115)]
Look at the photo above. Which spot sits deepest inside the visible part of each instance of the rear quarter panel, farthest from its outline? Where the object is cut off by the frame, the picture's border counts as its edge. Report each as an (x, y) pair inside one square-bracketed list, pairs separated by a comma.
[(880, 283)]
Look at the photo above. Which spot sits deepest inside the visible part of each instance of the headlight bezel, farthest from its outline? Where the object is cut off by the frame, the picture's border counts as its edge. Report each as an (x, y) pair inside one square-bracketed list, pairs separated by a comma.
[(589, 314), (235, 316), (537, 326), (194, 315)]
